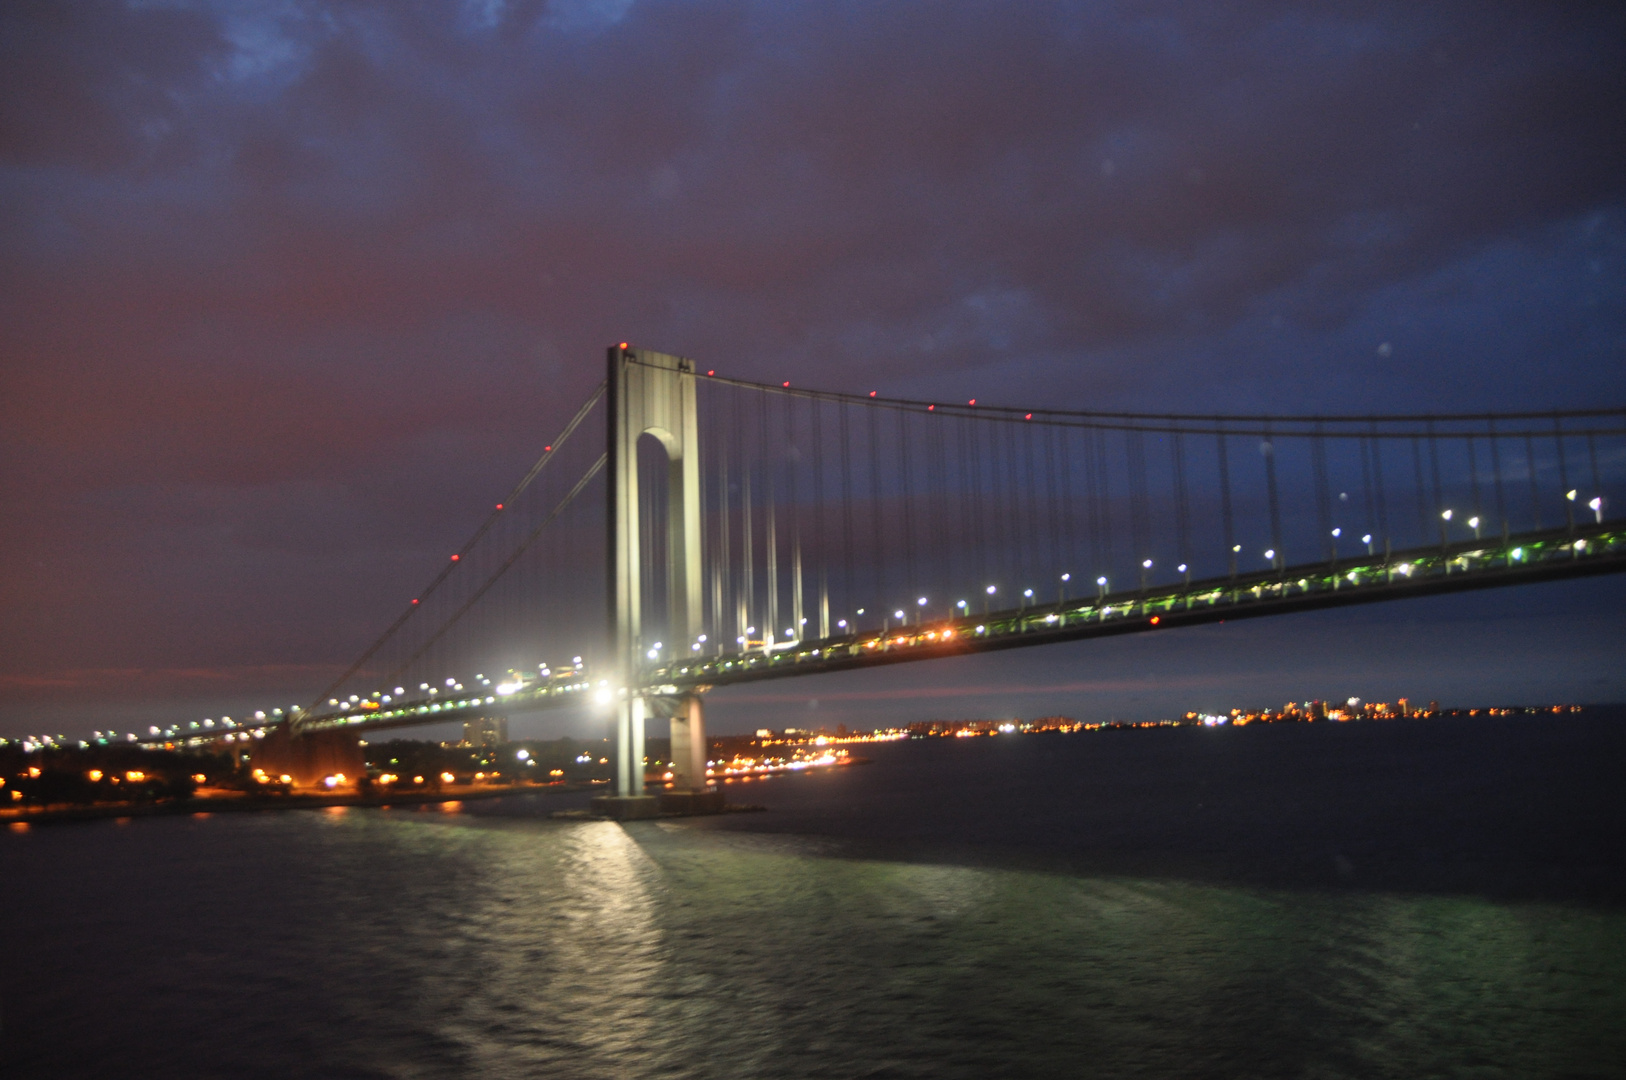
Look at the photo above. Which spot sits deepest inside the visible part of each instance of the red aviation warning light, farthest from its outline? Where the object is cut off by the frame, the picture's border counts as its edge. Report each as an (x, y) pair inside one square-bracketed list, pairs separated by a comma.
[(499, 506), (456, 557), (623, 345), (973, 401)]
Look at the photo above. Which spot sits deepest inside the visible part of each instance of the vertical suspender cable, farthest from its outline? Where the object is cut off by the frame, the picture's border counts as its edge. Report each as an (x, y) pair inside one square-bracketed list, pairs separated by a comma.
[(971, 442), (820, 515), (1422, 494), (1182, 521), (1221, 442), (798, 621), (907, 495), (1068, 500), (1323, 496), (1496, 471), (848, 586), (877, 601), (1052, 507), (1139, 526), (1104, 490), (1377, 480), (1434, 477), (1530, 470), (1269, 449), (1563, 473), (938, 541), (770, 499)]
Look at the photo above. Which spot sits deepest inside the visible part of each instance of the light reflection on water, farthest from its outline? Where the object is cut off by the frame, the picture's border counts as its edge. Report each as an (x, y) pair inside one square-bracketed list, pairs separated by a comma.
[(422, 944)]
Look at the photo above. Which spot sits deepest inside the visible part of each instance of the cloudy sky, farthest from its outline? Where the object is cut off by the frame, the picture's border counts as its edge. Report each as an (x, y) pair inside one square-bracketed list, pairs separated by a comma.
[(272, 271)]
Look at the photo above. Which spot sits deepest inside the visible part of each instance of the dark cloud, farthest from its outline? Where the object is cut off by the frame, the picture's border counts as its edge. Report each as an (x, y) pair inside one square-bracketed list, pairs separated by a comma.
[(281, 263)]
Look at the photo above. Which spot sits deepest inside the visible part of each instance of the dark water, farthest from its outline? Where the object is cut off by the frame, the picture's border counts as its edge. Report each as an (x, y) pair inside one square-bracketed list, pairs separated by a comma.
[(1407, 899)]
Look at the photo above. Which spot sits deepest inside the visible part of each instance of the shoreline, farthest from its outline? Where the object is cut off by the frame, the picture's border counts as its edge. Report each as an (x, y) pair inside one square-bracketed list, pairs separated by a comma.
[(248, 803)]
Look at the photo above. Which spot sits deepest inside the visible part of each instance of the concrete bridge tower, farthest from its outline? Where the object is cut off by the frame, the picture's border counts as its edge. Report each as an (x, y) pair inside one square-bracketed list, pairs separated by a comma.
[(651, 393)]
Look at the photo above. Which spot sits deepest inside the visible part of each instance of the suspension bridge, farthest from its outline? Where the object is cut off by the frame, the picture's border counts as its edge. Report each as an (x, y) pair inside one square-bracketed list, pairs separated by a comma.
[(688, 530)]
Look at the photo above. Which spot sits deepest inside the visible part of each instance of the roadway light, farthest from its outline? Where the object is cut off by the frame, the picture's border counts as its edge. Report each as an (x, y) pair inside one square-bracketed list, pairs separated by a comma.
[(842, 623), (1147, 565), (860, 611), (921, 602), (1570, 494), (897, 614), (1270, 553), (702, 639), (1446, 515), (1101, 581), (1028, 593), (960, 604), (1067, 577), (1337, 533), (1366, 538), (1181, 568), (991, 590), (1596, 506)]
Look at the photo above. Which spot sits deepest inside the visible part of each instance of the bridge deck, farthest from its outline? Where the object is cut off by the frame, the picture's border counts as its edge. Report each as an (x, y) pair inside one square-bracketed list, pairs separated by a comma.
[(1520, 559), (1474, 564)]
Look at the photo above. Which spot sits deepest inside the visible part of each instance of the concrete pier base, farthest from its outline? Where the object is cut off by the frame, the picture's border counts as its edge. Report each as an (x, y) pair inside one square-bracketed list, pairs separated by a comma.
[(703, 801), (626, 807)]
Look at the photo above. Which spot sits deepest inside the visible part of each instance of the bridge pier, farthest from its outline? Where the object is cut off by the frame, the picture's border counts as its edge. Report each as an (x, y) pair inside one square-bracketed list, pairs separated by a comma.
[(629, 801), (690, 794)]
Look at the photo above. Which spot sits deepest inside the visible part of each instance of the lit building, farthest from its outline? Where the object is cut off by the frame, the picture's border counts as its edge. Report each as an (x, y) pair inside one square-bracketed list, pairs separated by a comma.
[(485, 731)]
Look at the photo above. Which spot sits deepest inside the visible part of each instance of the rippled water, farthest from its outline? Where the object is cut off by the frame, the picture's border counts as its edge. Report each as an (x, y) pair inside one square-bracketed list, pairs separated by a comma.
[(1372, 900)]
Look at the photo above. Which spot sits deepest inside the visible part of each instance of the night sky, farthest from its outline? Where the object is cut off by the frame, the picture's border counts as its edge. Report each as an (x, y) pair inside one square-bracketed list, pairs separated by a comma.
[(289, 291)]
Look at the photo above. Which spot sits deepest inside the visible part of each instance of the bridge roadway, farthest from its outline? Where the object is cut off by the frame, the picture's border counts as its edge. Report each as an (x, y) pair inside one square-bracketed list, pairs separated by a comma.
[(1471, 564), (1474, 564)]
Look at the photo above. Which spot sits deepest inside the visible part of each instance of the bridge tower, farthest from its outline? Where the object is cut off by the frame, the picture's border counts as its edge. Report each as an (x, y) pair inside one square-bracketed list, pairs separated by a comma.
[(651, 393)]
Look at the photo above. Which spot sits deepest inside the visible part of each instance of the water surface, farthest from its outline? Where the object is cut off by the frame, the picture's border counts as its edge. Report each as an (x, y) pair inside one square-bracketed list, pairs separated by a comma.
[(1411, 899)]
